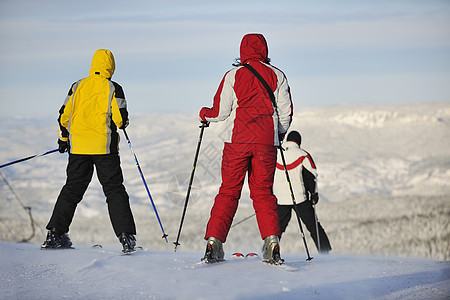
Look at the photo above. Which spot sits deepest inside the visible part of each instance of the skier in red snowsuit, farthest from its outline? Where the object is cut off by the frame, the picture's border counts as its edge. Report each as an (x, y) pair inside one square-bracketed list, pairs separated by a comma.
[(254, 129)]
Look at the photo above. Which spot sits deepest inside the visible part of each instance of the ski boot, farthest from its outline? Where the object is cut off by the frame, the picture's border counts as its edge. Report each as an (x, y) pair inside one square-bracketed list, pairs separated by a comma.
[(56, 240), (128, 242), (271, 250), (214, 251)]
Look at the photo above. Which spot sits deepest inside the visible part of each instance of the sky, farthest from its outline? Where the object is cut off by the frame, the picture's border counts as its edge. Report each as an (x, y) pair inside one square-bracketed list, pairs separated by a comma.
[(171, 55)]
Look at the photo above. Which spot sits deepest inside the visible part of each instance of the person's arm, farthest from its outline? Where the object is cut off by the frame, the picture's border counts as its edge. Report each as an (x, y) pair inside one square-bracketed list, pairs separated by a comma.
[(63, 120), (309, 173), (119, 107), (65, 113), (284, 103), (223, 100)]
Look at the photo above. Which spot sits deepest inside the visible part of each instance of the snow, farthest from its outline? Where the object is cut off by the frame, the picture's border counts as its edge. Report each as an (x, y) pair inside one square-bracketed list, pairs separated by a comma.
[(384, 185), (103, 273)]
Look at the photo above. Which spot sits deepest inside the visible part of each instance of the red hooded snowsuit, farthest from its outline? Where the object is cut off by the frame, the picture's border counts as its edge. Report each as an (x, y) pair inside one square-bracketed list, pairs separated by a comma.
[(253, 128)]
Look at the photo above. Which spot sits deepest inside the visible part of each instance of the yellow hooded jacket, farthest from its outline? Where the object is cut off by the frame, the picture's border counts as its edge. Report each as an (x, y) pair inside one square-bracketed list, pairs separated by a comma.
[(93, 110)]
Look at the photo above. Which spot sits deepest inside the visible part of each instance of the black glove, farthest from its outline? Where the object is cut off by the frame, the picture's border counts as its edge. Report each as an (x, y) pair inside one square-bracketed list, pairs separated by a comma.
[(63, 146), (314, 198), (125, 124), (281, 137)]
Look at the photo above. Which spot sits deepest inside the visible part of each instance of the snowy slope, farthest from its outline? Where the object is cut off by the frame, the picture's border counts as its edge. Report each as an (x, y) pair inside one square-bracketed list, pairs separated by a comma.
[(93, 273), (384, 174)]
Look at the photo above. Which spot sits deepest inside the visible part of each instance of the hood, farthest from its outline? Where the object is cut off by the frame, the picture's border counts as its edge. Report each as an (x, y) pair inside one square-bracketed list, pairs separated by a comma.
[(253, 47), (103, 63)]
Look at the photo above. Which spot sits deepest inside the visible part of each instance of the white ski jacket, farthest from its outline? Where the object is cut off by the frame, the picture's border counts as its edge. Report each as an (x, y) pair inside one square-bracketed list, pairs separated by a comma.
[(302, 174)]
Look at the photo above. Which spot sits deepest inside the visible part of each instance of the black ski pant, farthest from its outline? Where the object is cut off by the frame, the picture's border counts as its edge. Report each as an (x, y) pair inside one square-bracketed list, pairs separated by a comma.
[(79, 174), (306, 214)]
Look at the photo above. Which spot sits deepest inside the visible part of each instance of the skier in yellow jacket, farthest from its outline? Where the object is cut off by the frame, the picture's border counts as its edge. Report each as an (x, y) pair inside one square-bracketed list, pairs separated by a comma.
[(93, 110)]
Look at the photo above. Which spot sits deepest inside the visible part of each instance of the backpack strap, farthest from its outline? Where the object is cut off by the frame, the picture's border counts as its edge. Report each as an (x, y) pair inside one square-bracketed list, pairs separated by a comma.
[(264, 83)]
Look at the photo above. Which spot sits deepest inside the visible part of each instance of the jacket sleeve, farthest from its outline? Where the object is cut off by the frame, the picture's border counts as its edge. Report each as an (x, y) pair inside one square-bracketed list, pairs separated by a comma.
[(284, 103), (309, 174), (309, 181), (119, 107), (64, 114), (223, 100)]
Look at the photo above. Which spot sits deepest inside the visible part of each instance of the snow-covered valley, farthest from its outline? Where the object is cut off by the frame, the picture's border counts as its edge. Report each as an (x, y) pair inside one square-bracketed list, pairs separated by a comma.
[(384, 185)]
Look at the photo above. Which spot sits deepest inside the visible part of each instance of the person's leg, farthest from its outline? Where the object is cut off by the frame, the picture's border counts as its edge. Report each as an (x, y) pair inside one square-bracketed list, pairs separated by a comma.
[(260, 180), (234, 167), (109, 174), (79, 175), (284, 214), (307, 216), (325, 245)]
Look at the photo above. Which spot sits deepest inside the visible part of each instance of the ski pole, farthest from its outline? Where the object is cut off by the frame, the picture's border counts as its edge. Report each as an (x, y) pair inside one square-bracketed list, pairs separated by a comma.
[(317, 227), (295, 204), (241, 221), (203, 126), (27, 158), (145, 184)]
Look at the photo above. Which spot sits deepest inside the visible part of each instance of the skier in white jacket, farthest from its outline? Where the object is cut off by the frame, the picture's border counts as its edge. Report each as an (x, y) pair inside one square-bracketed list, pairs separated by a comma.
[(303, 176)]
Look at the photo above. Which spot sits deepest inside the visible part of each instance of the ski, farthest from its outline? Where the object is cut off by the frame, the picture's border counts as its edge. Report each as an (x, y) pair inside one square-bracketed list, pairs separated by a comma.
[(282, 266), (251, 255), (204, 263), (60, 248), (237, 255), (238, 259), (136, 249)]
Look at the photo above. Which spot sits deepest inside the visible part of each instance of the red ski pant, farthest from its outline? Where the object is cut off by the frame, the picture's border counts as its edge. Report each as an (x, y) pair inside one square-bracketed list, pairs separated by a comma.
[(238, 159)]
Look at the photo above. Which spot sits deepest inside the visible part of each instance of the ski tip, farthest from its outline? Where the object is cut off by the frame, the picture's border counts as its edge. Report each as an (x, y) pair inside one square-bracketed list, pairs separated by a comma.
[(238, 255), (251, 255)]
